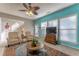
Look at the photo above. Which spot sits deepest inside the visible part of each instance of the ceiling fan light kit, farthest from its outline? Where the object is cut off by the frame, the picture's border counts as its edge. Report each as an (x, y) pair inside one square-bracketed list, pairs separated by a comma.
[(29, 13)]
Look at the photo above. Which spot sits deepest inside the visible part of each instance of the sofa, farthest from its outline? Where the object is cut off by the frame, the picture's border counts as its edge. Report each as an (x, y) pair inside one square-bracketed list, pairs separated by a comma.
[(13, 38)]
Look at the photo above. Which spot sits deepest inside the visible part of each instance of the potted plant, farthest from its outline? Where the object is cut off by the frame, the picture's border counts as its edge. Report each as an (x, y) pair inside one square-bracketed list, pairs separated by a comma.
[(34, 42)]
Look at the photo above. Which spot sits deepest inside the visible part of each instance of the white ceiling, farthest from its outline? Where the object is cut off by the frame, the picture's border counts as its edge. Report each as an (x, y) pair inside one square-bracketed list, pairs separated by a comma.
[(45, 8)]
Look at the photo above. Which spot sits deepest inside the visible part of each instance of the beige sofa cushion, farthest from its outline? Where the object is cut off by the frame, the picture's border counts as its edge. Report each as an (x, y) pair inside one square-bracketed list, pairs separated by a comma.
[(13, 38)]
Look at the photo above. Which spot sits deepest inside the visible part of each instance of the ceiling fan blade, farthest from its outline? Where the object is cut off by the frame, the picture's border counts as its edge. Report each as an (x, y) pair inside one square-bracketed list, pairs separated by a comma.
[(36, 8), (22, 10), (35, 13), (25, 5), (30, 5)]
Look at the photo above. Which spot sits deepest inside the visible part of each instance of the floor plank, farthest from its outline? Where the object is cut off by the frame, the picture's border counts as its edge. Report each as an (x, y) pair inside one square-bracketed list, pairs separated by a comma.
[(9, 51)]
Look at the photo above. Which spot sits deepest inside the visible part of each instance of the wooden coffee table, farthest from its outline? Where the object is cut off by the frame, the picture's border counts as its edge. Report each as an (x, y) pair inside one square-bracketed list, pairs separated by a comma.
[(33, 50)]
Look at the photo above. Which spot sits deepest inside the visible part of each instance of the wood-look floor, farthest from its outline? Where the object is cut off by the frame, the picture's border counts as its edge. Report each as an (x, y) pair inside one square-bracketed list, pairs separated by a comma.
[(10, 51)]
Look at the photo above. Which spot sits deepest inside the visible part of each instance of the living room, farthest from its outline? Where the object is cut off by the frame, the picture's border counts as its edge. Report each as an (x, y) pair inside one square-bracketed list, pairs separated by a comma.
[(39, 29)]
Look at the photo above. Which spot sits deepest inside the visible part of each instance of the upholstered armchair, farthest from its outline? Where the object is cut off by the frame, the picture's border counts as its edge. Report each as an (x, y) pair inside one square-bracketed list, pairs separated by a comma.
[(13, 38)]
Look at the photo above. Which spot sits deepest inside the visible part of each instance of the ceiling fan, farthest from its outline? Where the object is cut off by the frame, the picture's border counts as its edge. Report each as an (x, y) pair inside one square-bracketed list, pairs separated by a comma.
[(30, 10)]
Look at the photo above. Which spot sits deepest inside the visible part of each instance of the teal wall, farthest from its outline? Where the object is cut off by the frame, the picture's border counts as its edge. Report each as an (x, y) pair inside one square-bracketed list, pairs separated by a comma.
[(73, 9)]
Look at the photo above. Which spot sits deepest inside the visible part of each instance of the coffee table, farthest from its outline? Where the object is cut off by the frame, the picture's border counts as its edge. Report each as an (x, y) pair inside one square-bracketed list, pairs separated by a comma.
[(22, 50)]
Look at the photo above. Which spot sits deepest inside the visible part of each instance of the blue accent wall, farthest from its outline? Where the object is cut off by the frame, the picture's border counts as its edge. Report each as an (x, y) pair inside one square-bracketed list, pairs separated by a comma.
[(73, 9)]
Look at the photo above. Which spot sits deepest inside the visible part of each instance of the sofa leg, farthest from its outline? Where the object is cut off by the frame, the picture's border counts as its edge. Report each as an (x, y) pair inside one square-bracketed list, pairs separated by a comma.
[(8, 45)]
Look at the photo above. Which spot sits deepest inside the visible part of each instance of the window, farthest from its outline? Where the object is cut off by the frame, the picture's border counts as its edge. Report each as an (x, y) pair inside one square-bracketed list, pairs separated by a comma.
[(43, 28), (16, 25), (68, 27), (36, 30), (53, 23)]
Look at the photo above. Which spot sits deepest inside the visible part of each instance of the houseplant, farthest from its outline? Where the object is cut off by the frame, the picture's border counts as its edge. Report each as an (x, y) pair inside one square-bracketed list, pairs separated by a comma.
[(34, 42)]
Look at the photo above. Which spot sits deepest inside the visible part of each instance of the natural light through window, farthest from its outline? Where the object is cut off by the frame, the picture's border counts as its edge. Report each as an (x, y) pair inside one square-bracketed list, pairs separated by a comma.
[(36, 30), (43, 28), (16, 25), (68, 28)]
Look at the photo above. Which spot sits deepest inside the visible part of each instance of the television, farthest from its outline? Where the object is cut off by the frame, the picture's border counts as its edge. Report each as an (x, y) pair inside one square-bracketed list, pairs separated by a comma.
[(51, 30)]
